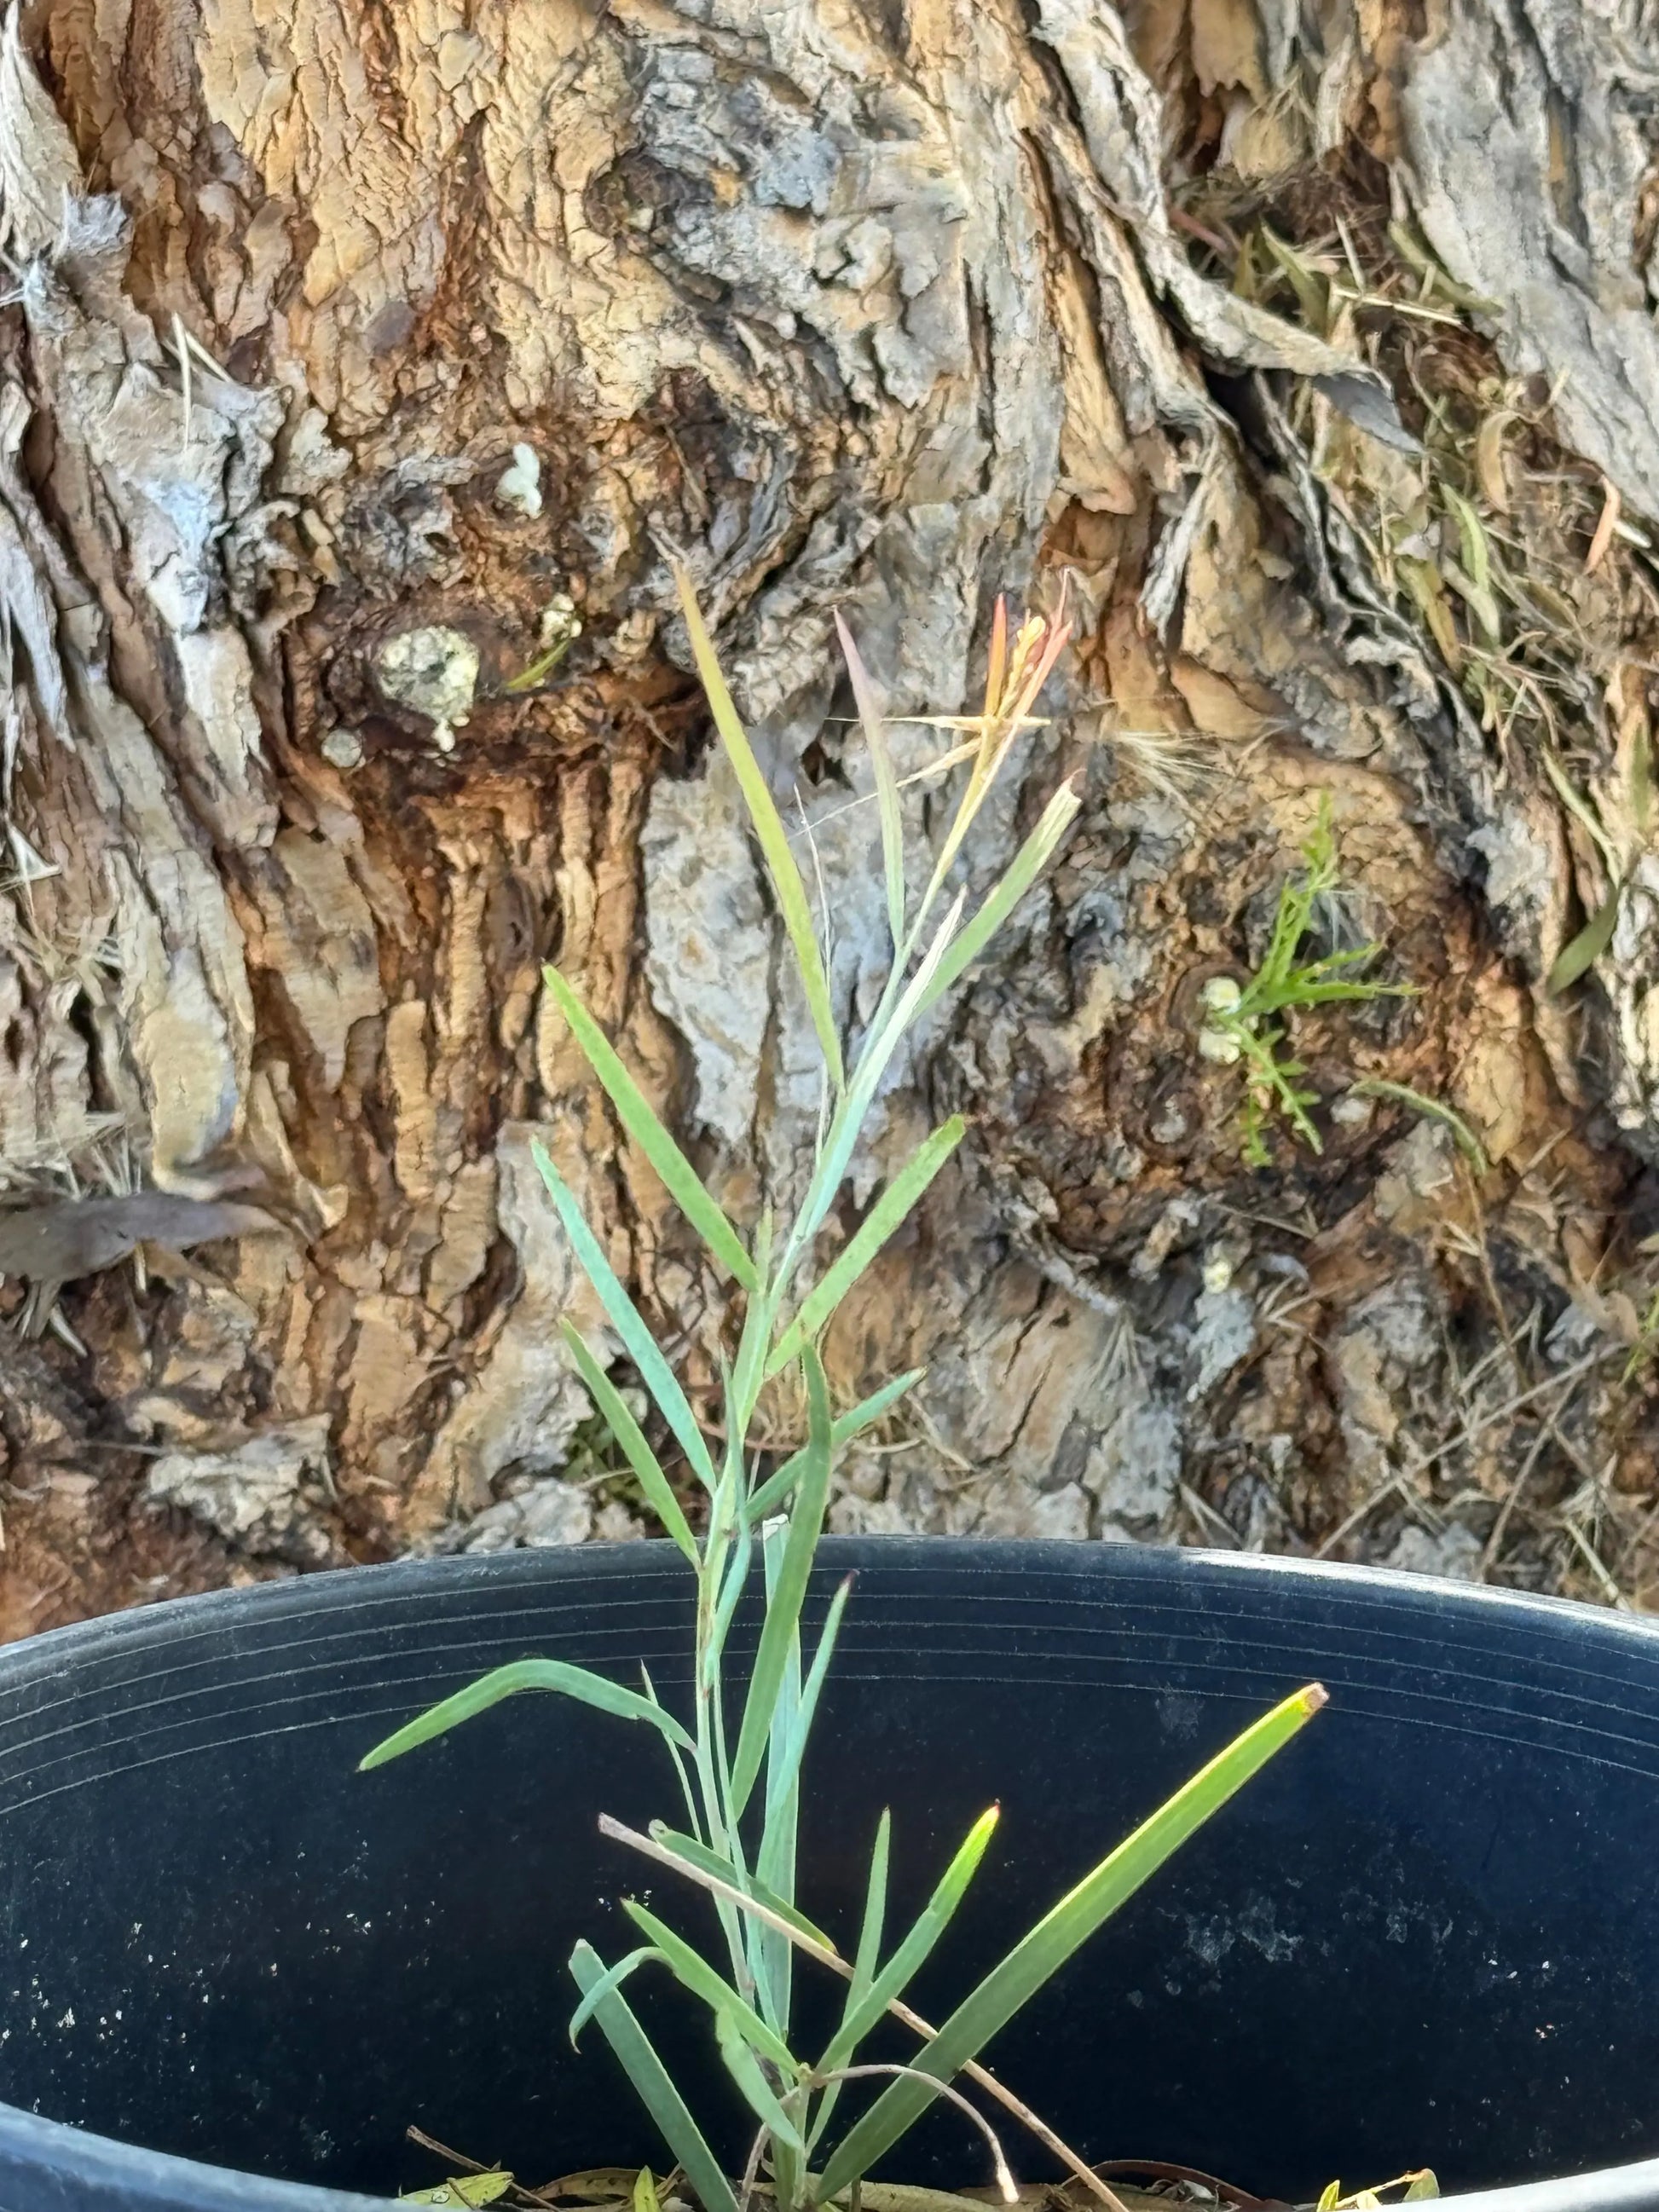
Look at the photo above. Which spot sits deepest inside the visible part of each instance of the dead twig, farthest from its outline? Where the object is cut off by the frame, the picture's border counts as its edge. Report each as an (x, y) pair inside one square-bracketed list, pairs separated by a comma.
[(460, 2163), (1494, 1541), (1006, 2188), (1403, 1477)]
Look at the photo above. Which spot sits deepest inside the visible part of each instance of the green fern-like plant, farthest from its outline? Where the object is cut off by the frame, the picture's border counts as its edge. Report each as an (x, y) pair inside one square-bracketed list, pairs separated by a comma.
[(1240, 1021)]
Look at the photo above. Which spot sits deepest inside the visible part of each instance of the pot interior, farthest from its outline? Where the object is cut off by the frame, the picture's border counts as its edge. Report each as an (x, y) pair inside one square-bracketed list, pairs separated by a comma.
[(1429, 1934)]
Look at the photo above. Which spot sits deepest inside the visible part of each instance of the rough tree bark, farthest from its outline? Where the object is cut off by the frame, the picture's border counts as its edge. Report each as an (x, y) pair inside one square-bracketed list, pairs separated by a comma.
[(357, 357)]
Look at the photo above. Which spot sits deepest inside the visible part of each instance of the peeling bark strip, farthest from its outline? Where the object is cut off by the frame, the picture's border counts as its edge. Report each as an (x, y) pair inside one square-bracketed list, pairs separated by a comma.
[(362, 364)]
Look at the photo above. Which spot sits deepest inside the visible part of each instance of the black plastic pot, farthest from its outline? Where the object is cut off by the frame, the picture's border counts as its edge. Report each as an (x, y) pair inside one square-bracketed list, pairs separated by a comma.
[(1428, 1934)]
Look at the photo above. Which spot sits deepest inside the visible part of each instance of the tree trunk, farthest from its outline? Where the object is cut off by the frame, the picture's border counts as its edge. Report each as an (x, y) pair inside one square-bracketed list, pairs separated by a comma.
[(364, 366)]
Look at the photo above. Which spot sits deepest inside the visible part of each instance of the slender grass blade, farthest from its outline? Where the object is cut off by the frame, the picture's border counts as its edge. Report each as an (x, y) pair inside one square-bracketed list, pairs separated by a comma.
[(787, 885), (588, 1689), (714, 1862), (656, 2090), (612, 1978), (693, 1971), (837, 1152), (783, 1613), (906, 1962), (791, 1746), (875, 1910), (775, 1862), (756, 2091), (868, 1411), (732, 1589), (895, 1201), (1032, 857), (654, 1370), (658, 1493), (865, 1959), (1045, 1949), (1586, 949), (679, 1177)]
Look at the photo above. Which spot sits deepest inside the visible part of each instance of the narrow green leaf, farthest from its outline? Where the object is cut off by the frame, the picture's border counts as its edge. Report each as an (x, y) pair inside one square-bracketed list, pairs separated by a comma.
[(1312, 290), (650, 2078), (659, 1492), (868, 1411), (887, 790), (1412, 250), (1463, 1136), (783, 1610), (693, 1971), (1577, 805), (714, 1862), (679, 1177), (787, 1749), (836, 1149), (1344, 956), (1045, 1949), (723, 1890), (1640, 780), (742, 1387), (1587, 948), (612, 1978), (774, 1492), (787, 887), (588, 1689), (875, 1911), (906, 1961), (725, 1564), (775, 1862), (865, 1963), (883, 1217), (784, 1760), (1480, 604), (787, 2168), (731, 1589), (1422, 2188), (1475, 586), (865, 1960), (674, 1751), (758, 2094), (1023, 869), (645, 2193), (1325, 995), (654, 1370)]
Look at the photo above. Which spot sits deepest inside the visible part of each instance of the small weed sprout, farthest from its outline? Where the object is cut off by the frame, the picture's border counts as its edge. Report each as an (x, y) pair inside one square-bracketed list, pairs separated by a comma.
[(1240, 1027), (1647, 1342), (735, 1755)]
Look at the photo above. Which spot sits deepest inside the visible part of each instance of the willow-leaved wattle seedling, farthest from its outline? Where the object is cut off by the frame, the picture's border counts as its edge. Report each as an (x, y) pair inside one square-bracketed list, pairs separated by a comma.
[(737, 1751)]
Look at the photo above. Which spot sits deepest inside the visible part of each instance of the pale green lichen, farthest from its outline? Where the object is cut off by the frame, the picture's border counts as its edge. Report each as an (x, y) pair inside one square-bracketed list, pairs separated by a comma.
[(342, 749), (434, 670)]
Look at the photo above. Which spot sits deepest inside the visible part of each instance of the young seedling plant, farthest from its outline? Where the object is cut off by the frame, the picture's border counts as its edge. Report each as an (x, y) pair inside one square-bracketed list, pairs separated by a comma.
[(1240, 1020), (737, 1754)]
